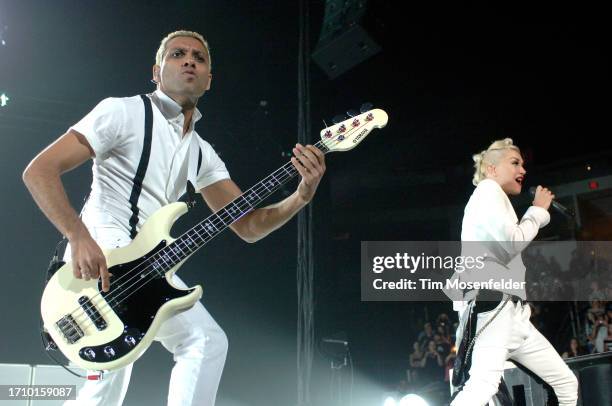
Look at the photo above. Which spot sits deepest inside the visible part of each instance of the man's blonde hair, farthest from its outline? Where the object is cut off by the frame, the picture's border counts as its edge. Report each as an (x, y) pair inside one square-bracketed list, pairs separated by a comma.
[(159, 56), (490, 156)]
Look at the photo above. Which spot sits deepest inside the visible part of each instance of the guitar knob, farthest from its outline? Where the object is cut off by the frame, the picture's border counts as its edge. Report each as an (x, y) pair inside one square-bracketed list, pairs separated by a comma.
[(328, 134), (342, 128), (109, 351), (130, 341), (370, 117), (355, 123), (90, 354)]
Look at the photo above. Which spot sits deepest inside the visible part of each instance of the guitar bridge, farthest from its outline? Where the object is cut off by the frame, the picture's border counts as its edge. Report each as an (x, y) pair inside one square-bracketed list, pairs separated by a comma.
[(69, 328)]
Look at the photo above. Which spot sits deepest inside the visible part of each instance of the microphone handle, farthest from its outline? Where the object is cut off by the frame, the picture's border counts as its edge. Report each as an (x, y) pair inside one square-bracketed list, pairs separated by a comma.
[(564, 210), (558, 206)]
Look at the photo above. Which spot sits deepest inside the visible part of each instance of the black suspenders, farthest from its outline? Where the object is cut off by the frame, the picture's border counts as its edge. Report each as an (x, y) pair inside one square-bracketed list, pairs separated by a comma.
[(199, 160), (191, 192), (142, 165)]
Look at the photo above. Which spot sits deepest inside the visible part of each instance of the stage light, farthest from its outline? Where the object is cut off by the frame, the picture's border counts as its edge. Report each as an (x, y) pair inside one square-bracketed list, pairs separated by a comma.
[(412, 400), (4, 99), (390, 402)]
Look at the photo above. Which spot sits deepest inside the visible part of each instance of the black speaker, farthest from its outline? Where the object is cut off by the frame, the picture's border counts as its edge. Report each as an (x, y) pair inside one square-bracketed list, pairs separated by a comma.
[(594, 373), (343, 43), (526, 389)]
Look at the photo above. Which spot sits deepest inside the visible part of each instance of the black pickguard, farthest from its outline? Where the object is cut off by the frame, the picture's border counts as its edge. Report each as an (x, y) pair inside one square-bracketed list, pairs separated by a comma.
[(135, 307)]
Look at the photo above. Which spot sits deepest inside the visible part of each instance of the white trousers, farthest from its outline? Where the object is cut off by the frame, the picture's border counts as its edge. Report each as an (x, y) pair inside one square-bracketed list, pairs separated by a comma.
[(197, 342), (512, 336)]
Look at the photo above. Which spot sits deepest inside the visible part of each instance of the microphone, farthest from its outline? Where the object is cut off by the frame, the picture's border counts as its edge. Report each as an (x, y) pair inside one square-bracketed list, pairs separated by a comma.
[(334, 341), (558, 206)]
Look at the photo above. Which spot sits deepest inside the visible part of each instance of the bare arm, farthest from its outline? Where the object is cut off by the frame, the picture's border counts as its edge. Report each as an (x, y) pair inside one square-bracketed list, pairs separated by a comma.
[(262, 222), (42, 178)]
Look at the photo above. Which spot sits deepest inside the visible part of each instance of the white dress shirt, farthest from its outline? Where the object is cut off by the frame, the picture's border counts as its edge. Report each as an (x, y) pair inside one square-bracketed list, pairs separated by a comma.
[(489, 217), (115, 131)]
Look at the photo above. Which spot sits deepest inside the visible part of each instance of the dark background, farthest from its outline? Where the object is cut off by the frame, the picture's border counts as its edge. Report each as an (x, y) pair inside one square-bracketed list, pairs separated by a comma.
[(451, 80)]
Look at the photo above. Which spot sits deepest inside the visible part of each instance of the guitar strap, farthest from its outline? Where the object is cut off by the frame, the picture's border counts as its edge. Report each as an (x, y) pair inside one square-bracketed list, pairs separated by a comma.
[(142, 165), (193, 170)]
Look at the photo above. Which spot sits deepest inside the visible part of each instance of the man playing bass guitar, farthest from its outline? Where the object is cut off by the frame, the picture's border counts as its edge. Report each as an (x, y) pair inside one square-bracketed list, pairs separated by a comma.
[(136, 172)]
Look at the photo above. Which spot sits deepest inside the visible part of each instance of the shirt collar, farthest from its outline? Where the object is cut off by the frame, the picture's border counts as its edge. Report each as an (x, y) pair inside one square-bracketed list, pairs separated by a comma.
[(172, 110)]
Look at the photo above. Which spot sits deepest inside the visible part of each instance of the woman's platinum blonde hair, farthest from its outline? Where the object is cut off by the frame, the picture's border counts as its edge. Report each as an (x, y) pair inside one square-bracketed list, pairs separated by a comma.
[(159, 56), (490, 156)]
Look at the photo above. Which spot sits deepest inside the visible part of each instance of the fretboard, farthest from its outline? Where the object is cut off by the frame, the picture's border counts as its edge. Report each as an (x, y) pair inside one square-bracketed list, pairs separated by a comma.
[(200, 234)]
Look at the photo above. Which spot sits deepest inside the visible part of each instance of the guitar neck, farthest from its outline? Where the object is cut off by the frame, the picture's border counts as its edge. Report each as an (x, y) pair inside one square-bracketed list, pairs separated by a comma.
[(207, 229), (339, 137)]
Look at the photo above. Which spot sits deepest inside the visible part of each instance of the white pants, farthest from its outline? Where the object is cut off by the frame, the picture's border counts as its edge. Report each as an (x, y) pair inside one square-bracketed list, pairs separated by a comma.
[(512, 336), (197, 342)]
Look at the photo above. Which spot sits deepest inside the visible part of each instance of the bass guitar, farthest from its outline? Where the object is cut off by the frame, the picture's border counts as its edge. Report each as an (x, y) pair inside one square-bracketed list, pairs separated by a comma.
[(99, 330)]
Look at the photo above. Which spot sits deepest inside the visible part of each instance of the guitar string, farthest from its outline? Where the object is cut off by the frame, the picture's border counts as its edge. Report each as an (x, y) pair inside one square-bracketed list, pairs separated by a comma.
[(260, 190), (187, 250), (186, 242), (115, 300), (144, 269), (266, 192), (110, 305)]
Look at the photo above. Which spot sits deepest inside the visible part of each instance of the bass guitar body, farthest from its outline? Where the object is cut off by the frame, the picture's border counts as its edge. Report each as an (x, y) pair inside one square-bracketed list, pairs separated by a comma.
[(108, 330), (99, 330)]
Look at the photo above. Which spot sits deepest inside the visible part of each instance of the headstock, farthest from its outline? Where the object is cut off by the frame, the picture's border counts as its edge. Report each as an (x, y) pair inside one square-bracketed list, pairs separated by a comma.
[(345, 135)]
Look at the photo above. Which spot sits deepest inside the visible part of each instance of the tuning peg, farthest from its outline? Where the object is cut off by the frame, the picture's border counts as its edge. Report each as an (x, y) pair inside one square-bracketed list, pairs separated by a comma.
[(366, 107), (338, 118), (352, 113)]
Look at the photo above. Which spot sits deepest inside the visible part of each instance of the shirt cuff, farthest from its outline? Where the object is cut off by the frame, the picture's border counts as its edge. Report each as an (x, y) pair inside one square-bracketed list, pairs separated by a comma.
[(93, 141), (539, 215), (210, 179)]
